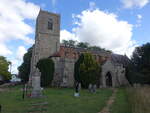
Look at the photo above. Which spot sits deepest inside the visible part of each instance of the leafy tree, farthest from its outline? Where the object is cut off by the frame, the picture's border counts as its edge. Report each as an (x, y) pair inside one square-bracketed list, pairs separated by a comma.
[(69, 43), (4, 66), (46, 67), (96, 48), (24, 68), (141, 61), (135, 76), (88, 70), (83, 45)]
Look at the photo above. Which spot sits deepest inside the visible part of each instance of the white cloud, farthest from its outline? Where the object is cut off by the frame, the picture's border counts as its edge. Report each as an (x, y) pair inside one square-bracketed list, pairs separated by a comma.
[(103, 29), (14, 66), (66, 35), (4, 50), (134, 3), (139, 16), (17, 59), (12, 20), (14, 27), (20, 52), (139, 20)]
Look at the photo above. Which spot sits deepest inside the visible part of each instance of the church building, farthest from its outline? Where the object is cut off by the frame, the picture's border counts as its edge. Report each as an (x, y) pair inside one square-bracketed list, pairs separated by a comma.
[(47, 44)]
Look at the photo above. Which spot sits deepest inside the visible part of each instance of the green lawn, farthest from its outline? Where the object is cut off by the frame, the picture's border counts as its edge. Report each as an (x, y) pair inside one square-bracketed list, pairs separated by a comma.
[(121, 104), (59, 101)]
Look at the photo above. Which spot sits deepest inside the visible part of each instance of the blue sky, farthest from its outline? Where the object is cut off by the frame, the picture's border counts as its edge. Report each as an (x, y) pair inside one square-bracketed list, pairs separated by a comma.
[(118, 25)]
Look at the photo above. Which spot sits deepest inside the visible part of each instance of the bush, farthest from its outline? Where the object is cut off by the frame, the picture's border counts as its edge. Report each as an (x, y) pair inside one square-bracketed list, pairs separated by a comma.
[(4, 67), (87, 70), (46, 67)]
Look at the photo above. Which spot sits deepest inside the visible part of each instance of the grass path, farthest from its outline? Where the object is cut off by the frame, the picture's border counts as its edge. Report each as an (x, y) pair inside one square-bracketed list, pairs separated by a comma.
[(110, 101), (121, 103)]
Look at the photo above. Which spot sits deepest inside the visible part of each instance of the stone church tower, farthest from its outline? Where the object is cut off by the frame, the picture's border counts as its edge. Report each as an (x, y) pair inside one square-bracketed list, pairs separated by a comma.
[(47, 40), (47, 37)]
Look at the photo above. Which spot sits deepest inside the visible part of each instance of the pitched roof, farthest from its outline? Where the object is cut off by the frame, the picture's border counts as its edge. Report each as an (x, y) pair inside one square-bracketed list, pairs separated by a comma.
[(120, 59)]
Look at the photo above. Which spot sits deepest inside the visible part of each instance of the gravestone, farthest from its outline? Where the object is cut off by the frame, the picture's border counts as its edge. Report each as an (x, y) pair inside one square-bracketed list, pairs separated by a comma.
[(94, 88), (90, 88), (79, 86), (36, 81)]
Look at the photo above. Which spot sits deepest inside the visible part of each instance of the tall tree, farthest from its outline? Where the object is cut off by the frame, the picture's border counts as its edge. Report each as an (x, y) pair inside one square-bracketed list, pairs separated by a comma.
[(4, 66), (141, 60), (24, 68), (76, 69)]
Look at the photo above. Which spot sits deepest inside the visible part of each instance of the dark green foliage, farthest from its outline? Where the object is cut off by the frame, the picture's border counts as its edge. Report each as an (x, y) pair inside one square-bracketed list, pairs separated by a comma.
[(83, 45), (87, 70), (4, 66), (46, 67), (135, 76), (141, 61), (69, 43), (24, 69), (95, 48), (76, 69)]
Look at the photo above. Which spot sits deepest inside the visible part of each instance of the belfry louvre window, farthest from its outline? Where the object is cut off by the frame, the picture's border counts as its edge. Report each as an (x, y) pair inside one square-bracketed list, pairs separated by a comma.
[(50, 24)]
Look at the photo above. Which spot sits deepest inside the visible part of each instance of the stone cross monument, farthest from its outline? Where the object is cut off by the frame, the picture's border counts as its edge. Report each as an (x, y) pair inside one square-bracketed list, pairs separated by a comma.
[(36, 79)]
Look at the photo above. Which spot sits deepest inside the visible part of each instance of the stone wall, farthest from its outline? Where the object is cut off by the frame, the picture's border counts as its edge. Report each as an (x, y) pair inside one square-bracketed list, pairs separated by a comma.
[(64, 72)]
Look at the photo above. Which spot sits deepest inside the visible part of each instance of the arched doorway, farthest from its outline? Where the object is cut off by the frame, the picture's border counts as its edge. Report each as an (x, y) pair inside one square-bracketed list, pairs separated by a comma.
[(108, 79)]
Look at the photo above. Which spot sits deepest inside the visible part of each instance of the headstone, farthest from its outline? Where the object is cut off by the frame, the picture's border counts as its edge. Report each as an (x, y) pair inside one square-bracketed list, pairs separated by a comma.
[(94, 88), (90, 87), (36, 81), (79, 86)]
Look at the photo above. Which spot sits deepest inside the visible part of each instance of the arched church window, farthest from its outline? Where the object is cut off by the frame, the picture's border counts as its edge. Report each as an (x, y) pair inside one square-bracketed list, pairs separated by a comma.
[(50, 24)]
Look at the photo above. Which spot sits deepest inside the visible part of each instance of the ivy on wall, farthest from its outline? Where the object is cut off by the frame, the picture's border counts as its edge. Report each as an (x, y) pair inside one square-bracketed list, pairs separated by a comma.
[(46, 67)]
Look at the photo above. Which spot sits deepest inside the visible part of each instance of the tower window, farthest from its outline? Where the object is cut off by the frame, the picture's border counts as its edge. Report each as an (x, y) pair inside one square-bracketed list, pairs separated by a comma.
[(50, 24)]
